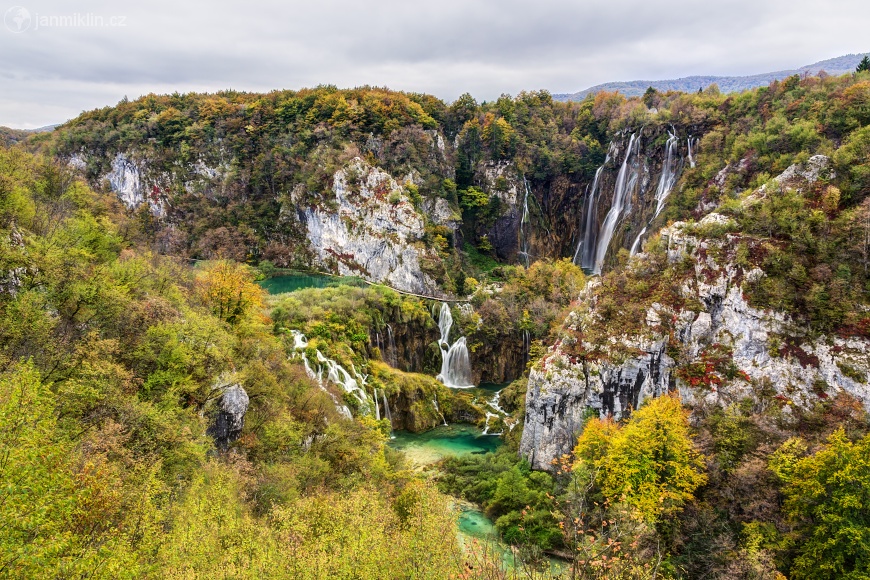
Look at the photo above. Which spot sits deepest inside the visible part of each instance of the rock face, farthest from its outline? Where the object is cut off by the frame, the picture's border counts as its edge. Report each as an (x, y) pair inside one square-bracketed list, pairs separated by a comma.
[(126, 181), (766, 348), (373, 232), (229, 417)]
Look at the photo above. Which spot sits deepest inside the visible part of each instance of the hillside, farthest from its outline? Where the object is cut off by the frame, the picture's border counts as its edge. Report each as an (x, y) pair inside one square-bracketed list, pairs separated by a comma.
[(658, 304), (727, 84)]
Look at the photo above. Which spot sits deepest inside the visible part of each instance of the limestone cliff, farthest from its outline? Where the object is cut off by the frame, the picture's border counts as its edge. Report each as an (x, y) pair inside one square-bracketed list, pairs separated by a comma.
[(708, 343), (371, 230)]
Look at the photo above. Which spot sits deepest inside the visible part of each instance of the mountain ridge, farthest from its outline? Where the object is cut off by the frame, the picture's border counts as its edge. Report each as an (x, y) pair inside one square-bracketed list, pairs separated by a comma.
[(727, 84)]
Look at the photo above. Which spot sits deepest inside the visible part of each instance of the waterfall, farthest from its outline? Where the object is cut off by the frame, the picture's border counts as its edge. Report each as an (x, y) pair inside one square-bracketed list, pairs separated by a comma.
[(392, 356), (527, 346), (437, 408), (666, 183), (624, 183), (691, 142), (377, 409), (668, 176), (455, 362), (445, 322), (636, 245), (524, 225), (387, 415), (335, 373), (590, 231)]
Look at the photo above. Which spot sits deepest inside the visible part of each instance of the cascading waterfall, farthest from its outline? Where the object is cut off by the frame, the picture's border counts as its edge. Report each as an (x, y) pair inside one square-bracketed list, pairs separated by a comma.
[(527, 346), (524, 225), (625, 180), (335, 373), (377, 409), (586, 244), (455, 362), (668, 178)]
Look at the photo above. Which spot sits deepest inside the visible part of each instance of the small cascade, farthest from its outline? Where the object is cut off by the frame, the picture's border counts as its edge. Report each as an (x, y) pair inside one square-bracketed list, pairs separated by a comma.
[(387, 415), (437, 408), (635, 246), (335, 373), (625, 181), (525, 225), (455, 361), (691, 142), (392, 356), (499, 412)]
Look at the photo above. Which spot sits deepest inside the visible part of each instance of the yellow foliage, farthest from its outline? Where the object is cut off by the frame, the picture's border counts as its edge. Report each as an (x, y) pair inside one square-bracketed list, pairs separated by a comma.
[(228, 288)]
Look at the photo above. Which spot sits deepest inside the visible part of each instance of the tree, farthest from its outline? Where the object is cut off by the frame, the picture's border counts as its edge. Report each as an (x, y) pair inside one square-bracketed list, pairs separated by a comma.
[(228, 288), (864, 65), (828, 498), (651, 464)]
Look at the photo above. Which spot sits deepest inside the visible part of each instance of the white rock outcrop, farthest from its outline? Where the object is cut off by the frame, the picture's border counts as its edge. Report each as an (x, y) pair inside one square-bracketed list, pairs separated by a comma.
[(372, 231), (125, 179)]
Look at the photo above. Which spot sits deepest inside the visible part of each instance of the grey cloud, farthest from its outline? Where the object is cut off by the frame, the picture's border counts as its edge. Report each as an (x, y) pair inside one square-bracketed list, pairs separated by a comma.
[(486, 47)]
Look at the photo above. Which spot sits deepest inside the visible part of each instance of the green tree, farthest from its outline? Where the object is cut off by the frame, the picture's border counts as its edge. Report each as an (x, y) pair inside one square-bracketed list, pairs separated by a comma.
[(864, 65), (828, 498)]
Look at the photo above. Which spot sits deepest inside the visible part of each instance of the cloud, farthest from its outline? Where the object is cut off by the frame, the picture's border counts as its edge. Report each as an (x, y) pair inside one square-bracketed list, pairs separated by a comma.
[(487, 47)]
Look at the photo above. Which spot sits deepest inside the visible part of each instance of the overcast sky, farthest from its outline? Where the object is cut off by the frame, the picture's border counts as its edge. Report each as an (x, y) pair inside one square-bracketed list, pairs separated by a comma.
[(52, 70)]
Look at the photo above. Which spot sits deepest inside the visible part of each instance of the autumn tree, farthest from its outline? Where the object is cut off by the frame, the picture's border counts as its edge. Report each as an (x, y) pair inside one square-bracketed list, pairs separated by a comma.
[(228, 288), (650, 464)]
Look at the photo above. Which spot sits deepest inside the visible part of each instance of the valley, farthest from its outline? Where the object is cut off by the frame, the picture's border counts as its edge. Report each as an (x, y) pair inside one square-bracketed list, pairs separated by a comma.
[(363, 333)]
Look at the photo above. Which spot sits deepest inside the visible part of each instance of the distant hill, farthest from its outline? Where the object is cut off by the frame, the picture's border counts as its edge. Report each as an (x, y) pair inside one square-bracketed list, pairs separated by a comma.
[(833, 66), (10, 136)]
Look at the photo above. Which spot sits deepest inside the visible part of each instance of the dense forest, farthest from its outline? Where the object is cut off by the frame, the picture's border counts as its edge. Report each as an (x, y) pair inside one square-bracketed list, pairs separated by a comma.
[(133, 329)]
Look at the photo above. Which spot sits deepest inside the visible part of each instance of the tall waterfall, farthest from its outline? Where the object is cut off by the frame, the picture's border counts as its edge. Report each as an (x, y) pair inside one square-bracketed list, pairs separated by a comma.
[(524, 225), (455, 362), (670, 168), (669, 174), (590, 232), (586, 244), (691, 142), (625, 181)]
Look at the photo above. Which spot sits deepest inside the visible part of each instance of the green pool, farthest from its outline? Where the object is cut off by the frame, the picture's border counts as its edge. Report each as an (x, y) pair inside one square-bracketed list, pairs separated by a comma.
[(429, 447), (294, 282)]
